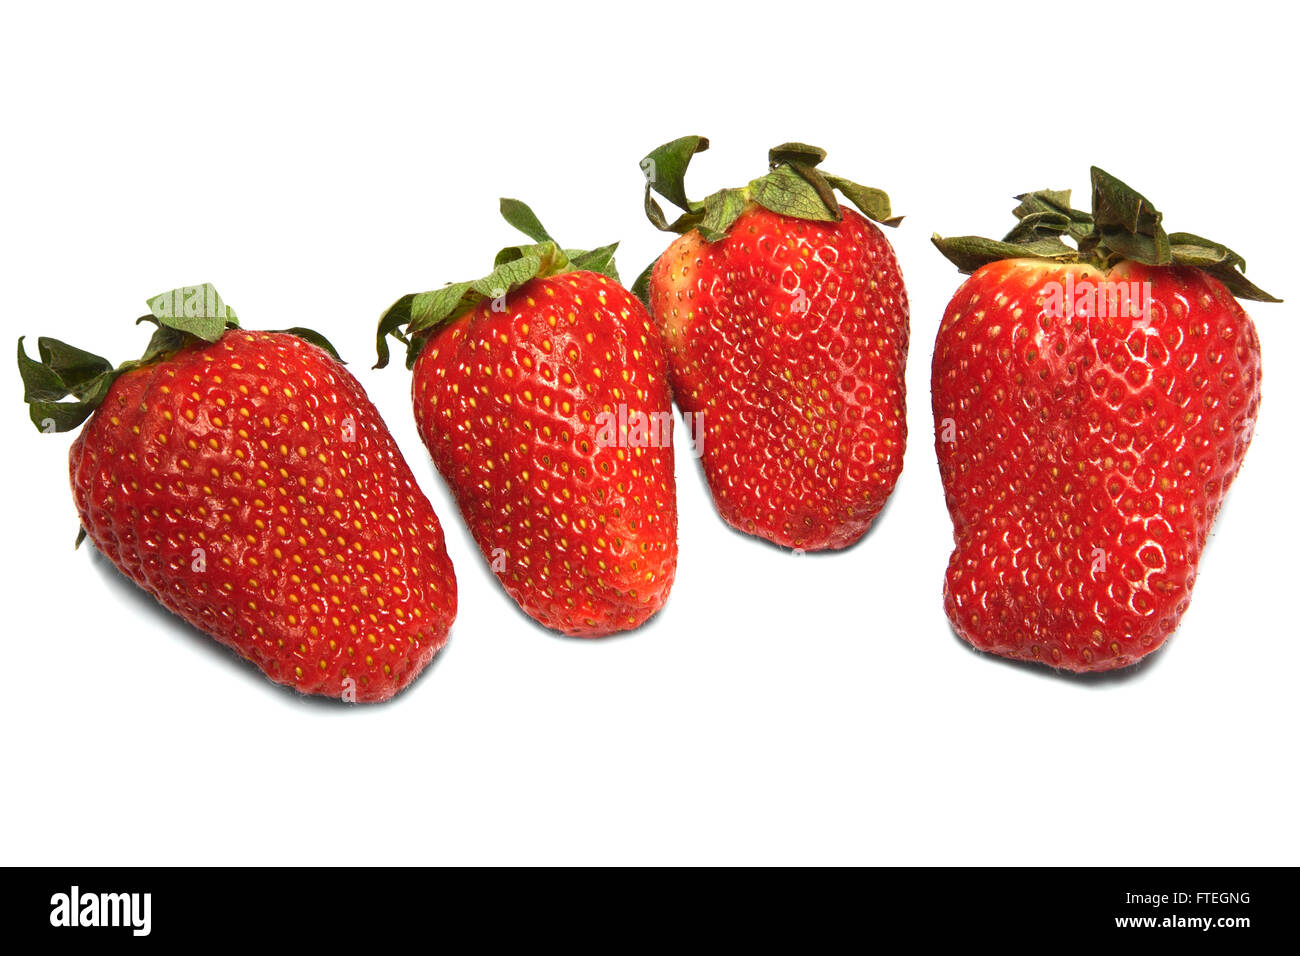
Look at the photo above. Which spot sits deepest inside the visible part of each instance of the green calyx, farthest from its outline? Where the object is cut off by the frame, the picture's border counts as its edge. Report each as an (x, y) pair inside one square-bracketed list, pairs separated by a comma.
[(1123, 225), (414, 316), (793, 186), (181, 317)]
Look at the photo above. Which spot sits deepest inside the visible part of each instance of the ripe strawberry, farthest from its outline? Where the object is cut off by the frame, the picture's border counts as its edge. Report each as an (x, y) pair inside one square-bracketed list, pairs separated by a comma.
[(541, 394), (246, 482), (1092, 405), (786, 324)]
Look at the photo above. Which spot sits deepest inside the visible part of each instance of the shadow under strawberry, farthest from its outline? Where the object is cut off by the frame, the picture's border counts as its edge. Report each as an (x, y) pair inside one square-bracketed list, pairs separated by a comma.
[(174, 628)]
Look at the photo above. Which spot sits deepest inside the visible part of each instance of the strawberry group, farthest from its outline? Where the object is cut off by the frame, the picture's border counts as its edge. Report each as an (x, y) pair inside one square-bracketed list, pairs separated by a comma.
[(785, 321), (1095, 385), (1092, 405), (542, 396), (245, 480)]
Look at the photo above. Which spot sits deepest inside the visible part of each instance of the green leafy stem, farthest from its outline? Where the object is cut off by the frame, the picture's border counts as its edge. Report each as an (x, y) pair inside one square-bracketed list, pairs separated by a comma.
[(181, 317), (411, 318), (793, 186), (1123, 225)]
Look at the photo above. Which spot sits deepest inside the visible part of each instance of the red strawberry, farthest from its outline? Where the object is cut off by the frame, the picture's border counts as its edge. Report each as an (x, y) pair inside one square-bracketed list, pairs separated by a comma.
[(246, 482), (542, 396), (1091, 406), (786, 324)]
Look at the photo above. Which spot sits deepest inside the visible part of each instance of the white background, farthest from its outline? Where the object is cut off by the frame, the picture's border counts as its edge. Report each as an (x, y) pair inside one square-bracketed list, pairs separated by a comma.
[(315, 164)]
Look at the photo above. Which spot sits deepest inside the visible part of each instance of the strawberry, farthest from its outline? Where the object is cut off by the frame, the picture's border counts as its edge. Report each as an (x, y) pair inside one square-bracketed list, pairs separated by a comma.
[(1092, 406), (786, 323), (245, 480), (541, 394)]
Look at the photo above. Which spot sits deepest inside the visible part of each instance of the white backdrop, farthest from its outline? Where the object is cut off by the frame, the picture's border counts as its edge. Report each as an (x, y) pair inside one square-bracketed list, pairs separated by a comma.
[(316, 164)]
